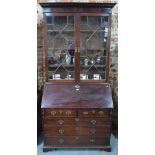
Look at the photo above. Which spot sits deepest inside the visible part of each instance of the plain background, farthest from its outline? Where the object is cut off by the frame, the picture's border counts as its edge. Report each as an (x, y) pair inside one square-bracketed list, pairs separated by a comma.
[(18, 77)]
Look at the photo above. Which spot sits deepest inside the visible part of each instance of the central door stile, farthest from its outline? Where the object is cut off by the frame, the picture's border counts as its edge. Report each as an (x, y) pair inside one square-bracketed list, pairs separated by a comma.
[(77, 47)]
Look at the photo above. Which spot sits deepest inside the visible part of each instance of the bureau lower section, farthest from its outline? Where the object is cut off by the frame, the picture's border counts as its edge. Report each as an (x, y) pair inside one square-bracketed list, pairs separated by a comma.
[(72, 128)]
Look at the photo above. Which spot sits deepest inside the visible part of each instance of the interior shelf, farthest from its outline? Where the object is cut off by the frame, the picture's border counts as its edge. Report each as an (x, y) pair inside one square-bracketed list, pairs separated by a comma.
[(91, 30), (92, 66), (60, 31), (74, 66), (57, 65)]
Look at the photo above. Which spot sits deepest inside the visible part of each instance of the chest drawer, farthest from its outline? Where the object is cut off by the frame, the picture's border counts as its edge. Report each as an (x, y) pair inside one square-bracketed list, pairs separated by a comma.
[(75, 140), (94, 113), (83, 130), (76, 121), (59, 113)]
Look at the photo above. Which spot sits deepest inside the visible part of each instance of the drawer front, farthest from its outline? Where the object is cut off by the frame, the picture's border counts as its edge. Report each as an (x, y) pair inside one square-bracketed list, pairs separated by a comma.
[(71, 131), (76, 121), (59, 113), (94, 113), (75, 140)]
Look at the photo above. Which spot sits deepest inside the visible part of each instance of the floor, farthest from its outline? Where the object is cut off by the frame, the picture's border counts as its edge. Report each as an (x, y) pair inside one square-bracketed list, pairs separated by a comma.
[(114, 142)]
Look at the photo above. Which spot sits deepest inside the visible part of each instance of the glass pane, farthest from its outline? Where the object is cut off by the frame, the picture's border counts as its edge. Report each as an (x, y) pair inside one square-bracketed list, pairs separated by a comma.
[(49, 19), (93, 40), (60, 41)]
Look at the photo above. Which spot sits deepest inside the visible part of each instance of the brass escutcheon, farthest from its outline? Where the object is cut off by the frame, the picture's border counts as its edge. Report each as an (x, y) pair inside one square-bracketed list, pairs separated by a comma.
[(77, 87), (61, 131)]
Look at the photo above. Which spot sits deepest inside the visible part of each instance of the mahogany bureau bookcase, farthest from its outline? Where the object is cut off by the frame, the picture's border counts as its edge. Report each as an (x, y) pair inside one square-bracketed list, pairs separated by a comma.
[(77, 101)]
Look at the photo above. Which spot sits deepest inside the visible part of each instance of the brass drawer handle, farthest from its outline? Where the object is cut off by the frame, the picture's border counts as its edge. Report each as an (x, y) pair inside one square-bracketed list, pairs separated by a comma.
[(61, 141), (77, 138), (85, 113), (93, 121), (68, 112), (100, 112), (61, 131), (76, 119), (53, 113), (92, 131), (60, 121), (92, 140), (93, 111)]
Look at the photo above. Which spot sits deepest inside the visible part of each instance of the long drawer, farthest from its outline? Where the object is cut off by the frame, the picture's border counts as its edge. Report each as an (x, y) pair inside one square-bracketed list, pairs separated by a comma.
[(77, 130), (77, 113), (76, 121), (75, 140)]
